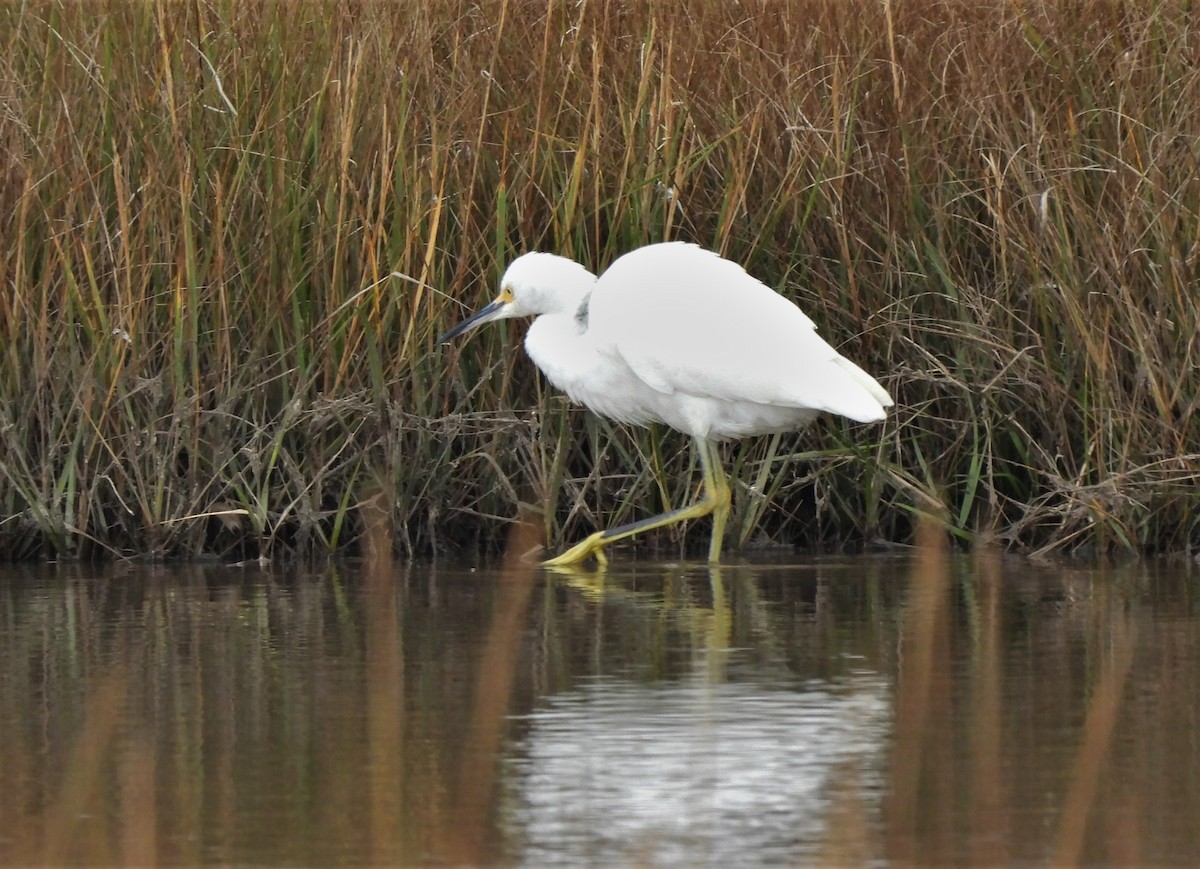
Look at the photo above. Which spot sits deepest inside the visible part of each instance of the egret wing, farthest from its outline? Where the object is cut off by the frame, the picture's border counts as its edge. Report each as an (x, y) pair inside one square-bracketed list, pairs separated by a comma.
[(685, 319)]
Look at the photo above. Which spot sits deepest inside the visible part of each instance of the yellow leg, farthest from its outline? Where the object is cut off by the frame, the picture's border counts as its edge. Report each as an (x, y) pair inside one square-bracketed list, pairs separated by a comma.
[(716, 489), (715, 501)]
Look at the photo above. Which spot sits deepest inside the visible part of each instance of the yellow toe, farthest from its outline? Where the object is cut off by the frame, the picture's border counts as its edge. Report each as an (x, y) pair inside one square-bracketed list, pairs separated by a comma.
[(593, 545)]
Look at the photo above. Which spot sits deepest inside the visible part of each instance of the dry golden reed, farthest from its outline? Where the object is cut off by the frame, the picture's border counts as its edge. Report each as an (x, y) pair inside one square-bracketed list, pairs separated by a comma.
[(230, 232)]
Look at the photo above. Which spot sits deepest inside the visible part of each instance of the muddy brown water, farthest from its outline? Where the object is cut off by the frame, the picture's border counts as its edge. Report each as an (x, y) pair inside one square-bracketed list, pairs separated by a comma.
[(912, 708)]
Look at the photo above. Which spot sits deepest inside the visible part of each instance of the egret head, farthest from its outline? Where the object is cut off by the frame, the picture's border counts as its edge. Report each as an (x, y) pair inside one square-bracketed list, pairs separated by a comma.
[(533, 284)]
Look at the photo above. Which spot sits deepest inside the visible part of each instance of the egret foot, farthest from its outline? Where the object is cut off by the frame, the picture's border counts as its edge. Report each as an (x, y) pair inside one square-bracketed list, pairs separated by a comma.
[(592, 545)]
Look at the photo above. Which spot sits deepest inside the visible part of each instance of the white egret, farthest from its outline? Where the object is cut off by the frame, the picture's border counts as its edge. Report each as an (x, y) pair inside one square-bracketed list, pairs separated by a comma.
[(675, 334)]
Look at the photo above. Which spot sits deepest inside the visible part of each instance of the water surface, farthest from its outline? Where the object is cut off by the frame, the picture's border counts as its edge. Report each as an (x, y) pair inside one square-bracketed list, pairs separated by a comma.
[(865, 710)]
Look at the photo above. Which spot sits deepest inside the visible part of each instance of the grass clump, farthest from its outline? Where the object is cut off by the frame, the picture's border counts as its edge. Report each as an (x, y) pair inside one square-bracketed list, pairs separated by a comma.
[(231, 232)]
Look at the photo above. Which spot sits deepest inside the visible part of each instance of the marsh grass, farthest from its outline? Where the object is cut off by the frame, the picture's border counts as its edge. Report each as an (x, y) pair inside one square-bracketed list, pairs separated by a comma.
[(231, 232)]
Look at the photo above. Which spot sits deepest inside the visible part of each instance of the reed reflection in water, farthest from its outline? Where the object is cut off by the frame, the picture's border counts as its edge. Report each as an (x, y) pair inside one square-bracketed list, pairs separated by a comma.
[(901, 709)]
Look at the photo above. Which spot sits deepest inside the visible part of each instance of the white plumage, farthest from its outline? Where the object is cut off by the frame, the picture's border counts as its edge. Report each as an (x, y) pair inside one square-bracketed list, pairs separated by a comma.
[(675, 334)]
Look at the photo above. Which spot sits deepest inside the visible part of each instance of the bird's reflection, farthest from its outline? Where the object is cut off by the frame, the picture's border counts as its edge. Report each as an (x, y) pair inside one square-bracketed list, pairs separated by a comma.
[(705, 761)]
